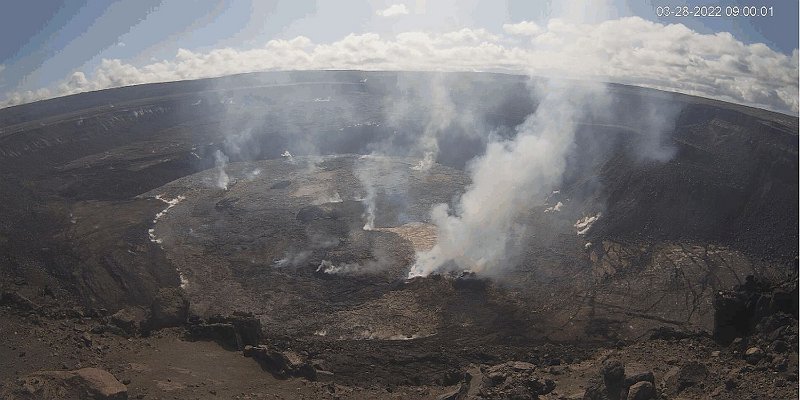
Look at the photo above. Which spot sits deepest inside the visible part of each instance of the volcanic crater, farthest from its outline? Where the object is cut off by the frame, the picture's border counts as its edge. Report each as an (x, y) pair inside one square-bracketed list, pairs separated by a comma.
[(116, 202)]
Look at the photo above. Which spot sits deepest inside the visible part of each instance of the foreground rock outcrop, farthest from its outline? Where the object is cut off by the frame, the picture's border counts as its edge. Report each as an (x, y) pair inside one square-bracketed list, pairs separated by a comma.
[(86, 383)]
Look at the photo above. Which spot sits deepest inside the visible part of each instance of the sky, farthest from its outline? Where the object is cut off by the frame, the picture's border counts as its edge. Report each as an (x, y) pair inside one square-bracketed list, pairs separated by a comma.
[(53, 48)]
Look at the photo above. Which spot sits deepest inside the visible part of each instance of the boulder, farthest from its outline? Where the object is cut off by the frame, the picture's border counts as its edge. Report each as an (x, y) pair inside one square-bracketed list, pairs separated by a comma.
[(169, 308), (613, 372), (86, 383), (130, 320), (643, 390), (753, 355)]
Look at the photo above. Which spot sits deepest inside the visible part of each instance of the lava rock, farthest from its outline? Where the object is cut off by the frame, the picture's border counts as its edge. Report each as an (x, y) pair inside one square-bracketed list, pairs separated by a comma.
[(642, 391), (680, 378), (170, 308)]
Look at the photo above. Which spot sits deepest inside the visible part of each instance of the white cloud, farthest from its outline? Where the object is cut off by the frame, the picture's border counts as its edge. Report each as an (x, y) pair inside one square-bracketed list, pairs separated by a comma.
[(627, 50), (393, 10), (524, 28)]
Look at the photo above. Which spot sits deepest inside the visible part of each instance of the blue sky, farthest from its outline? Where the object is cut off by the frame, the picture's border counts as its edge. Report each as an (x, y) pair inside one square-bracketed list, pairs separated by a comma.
[(43, 42)]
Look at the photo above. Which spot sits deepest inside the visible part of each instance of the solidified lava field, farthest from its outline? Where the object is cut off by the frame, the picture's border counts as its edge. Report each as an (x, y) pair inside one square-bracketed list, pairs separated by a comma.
[(130, 243)]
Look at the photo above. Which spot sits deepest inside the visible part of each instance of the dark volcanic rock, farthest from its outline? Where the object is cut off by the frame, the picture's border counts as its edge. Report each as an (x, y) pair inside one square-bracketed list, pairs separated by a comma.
[(86, 383), (170, 308)]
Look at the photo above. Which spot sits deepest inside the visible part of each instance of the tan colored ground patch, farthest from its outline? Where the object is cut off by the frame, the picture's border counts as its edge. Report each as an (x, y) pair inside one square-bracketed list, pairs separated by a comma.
[(421, 235)]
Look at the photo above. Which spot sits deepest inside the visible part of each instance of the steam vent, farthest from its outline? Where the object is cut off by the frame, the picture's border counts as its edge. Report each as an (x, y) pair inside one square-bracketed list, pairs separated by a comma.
[(335, 234)]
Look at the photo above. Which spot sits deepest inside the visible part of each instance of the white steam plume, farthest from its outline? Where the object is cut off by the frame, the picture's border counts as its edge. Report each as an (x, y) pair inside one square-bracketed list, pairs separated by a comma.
[(369, 200), (378, 176), (442, 114), (506, 180), (220, 161), (431, 100), (365, 172)]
